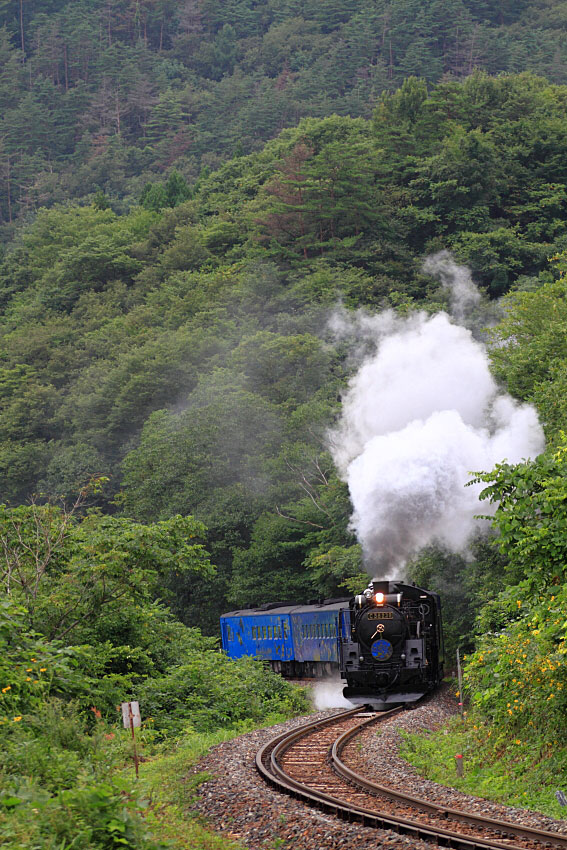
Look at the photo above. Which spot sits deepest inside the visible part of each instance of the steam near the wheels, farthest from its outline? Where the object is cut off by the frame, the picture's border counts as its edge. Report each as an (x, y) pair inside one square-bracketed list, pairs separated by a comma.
[(422, 412)]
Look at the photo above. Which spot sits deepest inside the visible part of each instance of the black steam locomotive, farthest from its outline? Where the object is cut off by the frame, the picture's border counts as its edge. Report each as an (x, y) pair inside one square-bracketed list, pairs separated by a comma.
[(386, 643), (394, 649)]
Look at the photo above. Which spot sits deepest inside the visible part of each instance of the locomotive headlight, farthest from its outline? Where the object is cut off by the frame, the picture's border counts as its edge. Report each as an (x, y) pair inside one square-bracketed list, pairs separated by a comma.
[(379, 599), (368, 593)]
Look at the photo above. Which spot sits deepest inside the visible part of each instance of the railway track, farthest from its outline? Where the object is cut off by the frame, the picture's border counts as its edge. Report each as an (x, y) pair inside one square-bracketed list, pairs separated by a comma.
[(308, 764)]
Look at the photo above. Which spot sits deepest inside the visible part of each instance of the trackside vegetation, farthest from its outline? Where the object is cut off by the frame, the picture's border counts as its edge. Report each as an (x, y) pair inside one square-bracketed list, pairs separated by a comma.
[(81, 630)]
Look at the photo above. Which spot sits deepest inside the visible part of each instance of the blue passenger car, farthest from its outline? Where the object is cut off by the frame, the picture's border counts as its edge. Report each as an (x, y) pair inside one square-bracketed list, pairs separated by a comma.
[(296, 640), (259, 633)]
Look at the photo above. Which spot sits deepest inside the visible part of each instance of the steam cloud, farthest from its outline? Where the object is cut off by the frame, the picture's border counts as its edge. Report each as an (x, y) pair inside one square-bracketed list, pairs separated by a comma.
[(329, 694), (422, 412)]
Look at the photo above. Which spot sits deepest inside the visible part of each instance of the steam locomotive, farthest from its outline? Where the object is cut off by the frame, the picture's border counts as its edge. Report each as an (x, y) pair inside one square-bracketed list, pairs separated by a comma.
[(387, 642)]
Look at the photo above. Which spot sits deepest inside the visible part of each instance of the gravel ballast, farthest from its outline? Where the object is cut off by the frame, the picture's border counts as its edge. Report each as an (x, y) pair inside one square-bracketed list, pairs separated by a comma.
[(239, 804)]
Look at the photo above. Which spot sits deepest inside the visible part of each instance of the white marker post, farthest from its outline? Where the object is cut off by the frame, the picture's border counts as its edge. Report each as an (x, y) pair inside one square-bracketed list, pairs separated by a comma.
[(131, 718)]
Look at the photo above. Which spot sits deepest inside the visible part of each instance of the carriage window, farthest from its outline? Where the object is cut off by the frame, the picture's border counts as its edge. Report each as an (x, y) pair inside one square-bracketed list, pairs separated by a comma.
[(269, 633), (264, 632), (285, 630)]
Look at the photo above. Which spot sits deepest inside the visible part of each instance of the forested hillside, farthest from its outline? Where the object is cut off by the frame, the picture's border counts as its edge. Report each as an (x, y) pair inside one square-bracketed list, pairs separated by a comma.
[(182, 350), (184, 353), (193, 198), (99, 97)]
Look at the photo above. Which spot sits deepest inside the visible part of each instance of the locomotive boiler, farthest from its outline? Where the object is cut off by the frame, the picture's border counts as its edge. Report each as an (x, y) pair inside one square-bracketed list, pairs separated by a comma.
[(393, 652)]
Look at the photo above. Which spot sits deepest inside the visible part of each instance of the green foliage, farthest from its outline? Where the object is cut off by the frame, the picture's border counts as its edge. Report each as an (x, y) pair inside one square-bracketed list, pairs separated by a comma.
[(215, 692), (173, 192), (529, 348), (495, 766), (515, 677), (179, 349), (464, 587), (73, 577), (531, 516), (165, 781), (61, 745), (304, 550)]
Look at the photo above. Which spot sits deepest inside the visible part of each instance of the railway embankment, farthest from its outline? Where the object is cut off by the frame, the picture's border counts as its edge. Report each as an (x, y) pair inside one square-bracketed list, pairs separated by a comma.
[(237, 802)]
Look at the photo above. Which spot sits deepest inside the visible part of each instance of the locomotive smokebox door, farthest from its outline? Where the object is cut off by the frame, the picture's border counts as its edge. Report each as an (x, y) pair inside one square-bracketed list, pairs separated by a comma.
[(385, 623)]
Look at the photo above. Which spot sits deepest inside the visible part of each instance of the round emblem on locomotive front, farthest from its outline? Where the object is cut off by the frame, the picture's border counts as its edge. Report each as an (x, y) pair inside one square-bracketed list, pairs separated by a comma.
[(381, 650), (380, 627)]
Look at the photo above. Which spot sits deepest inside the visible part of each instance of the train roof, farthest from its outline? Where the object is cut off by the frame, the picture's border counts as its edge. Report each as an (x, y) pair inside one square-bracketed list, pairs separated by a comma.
[(277, 609)]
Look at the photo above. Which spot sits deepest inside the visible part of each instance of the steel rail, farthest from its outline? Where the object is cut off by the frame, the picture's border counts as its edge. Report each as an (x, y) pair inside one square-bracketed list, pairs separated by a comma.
[(268, 767), (504, 827)]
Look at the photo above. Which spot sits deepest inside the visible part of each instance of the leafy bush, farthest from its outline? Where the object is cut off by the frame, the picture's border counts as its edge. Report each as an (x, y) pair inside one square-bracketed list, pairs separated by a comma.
[(97, 816), (517, 677), (211, 691)]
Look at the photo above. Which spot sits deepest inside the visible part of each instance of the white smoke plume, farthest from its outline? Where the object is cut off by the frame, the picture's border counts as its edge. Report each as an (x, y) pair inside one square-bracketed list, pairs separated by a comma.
[(329, 694), (465, 296), (421, 414)]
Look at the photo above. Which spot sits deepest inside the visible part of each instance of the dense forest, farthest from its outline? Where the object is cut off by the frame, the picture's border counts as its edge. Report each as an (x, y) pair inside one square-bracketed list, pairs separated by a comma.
[(103, 96), (189, 193)]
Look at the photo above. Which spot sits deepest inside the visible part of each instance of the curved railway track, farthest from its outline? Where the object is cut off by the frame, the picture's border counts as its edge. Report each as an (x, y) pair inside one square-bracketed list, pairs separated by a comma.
[(307, 764)]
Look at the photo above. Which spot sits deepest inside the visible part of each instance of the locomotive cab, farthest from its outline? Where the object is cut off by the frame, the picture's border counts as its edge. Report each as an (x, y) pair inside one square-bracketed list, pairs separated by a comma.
[(391, 644)]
